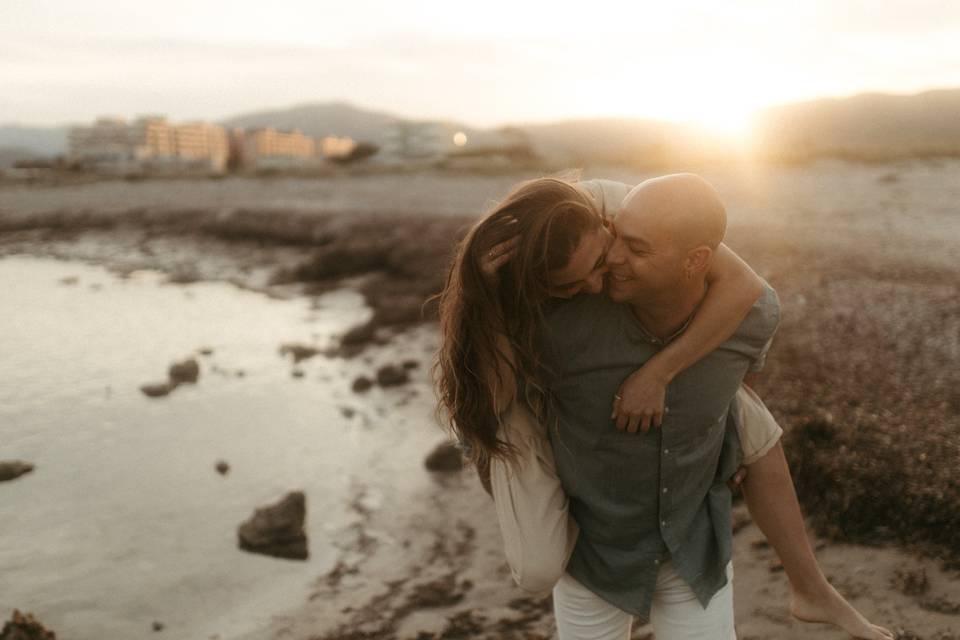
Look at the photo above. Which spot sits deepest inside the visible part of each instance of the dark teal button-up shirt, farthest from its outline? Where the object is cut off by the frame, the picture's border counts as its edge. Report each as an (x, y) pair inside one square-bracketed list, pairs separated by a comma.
[(642, 498)]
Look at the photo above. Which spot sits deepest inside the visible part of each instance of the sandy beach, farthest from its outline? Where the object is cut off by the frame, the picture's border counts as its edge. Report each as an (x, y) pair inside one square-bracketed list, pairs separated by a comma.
[(862, 376)]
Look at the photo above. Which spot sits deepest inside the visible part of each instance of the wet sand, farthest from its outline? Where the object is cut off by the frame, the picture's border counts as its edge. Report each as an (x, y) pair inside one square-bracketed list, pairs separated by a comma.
[(862, 376)]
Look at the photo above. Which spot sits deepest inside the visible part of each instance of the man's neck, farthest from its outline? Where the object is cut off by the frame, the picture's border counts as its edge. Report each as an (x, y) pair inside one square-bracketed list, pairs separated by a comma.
[(664, 318)]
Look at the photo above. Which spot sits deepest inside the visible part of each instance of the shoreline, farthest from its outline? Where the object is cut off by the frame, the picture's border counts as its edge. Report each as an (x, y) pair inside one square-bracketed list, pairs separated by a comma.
[(439, 569)]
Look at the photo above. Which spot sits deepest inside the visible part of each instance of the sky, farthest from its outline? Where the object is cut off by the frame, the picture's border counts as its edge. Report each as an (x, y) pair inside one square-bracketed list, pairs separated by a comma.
[(485, 64)]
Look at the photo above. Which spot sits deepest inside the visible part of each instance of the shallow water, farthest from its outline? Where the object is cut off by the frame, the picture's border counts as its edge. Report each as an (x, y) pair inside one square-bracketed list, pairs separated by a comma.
[(124, 520)]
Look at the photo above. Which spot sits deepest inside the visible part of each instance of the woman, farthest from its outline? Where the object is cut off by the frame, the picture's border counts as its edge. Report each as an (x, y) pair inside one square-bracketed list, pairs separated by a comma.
[(547, 240)]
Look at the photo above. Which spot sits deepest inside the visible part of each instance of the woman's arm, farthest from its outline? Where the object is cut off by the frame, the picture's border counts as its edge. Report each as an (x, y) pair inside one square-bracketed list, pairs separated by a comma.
[(734, 287)]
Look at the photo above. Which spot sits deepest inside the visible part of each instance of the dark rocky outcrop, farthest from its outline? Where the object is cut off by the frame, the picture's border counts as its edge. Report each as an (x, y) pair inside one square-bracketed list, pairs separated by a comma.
[(277, 529), (23, 626), (445, 457), (10, 469)]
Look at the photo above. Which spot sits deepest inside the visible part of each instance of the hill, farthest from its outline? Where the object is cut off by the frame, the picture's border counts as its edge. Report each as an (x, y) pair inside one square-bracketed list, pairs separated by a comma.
[(866, 127), (319, 120)]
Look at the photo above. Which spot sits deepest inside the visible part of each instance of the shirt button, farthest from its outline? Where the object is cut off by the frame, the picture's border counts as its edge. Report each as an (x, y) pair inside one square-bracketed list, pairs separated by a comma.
[(663, 523), (666, 451), (664, 489), (656, 562)]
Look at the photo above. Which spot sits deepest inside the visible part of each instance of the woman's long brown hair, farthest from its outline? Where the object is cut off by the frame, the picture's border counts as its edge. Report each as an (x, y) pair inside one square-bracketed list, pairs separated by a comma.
[(550, 216)]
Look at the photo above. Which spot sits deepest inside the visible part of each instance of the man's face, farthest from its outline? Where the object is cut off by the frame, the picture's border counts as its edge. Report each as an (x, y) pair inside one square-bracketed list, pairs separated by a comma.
[(643, 260), (586, 269)]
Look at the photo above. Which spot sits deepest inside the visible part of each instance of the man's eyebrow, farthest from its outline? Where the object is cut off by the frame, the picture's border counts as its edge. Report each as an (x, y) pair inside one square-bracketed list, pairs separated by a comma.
[(633, 239)]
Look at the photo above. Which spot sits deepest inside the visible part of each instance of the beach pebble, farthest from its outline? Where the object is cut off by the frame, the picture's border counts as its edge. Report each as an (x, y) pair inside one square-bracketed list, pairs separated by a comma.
[(223, 467), (157, 625), (157, 390), (186, 371), (297, 373), (298, 351), (445, 457), (362, 384), (392, 376), (10, 469), (277, 529)]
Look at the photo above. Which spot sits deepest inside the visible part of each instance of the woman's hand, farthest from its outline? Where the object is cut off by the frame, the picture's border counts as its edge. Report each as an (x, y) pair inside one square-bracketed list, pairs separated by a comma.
[(498, 255), (640, 401)]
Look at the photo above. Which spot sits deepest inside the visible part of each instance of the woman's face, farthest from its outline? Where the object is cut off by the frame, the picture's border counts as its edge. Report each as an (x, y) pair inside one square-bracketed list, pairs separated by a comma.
[(585, 271)]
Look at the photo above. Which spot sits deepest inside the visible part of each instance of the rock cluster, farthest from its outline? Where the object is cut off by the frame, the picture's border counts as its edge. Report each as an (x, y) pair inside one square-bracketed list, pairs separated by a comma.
[(25, 627), (183, 372)]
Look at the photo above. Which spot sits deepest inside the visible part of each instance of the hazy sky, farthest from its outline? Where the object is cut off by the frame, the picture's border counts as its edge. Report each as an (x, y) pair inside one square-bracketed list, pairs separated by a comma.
[(484, 63)]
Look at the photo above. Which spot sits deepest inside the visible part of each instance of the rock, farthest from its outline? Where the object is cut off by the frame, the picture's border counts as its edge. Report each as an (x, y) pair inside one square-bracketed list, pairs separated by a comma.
[(223, 467), (205, 351), (69, 280), (10, 469), (297, 373), (392, 376), (157, 626), (445, 457), (185, 371), (348, 412), (359, 335), (157, 390), (362, 384), (411, 364), (25, 627), (277, 530), (298, 351)]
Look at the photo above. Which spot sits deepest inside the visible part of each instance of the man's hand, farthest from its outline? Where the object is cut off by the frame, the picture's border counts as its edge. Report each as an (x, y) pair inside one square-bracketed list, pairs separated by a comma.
[(639, 404)]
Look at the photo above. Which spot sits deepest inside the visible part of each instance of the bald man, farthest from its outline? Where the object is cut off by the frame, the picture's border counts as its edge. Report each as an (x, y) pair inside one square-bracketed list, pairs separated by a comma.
[(653, 508)]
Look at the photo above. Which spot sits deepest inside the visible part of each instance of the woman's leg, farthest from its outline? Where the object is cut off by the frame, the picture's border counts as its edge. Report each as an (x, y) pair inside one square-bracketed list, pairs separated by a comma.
[(772, 500)]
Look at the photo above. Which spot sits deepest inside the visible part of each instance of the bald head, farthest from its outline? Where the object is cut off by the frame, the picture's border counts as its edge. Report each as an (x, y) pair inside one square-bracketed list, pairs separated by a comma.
[(684, 205)]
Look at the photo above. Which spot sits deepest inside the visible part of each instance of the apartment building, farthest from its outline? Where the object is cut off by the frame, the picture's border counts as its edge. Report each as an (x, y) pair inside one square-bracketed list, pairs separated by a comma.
[(149, 143), (266, 147)]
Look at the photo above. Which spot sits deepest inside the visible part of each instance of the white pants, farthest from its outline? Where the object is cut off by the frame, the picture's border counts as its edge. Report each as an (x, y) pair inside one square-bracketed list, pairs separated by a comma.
[(676, 613)]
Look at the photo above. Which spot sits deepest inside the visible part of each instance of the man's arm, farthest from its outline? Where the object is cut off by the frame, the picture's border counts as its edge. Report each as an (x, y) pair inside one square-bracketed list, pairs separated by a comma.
[(734, 288)]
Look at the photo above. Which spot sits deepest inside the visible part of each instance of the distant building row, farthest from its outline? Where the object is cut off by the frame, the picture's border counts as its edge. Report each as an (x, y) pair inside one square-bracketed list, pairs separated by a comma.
[(154, 144)]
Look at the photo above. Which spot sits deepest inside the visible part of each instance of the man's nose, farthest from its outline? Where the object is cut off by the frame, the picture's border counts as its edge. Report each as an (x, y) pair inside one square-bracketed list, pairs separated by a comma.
[(614, 254)]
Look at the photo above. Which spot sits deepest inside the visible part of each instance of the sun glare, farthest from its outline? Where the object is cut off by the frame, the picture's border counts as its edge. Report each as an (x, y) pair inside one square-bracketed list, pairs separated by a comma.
[(729, 123)]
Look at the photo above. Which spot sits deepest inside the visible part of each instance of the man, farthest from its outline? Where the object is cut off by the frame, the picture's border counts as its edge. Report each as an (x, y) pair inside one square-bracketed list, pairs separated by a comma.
[(653, 508)]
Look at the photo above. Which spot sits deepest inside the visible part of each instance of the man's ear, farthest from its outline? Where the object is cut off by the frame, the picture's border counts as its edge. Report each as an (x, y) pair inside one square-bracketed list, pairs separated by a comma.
[(697, 261)]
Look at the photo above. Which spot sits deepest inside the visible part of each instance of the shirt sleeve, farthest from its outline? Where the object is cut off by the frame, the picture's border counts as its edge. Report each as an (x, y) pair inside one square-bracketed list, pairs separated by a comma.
[(755, 334)]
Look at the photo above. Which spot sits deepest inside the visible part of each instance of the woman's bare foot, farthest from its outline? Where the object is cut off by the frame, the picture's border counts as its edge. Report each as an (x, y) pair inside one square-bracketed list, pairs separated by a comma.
[(832, 608)]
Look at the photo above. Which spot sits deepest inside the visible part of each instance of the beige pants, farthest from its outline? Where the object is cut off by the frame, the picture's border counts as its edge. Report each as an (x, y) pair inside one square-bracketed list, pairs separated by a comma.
[(675, 612)]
